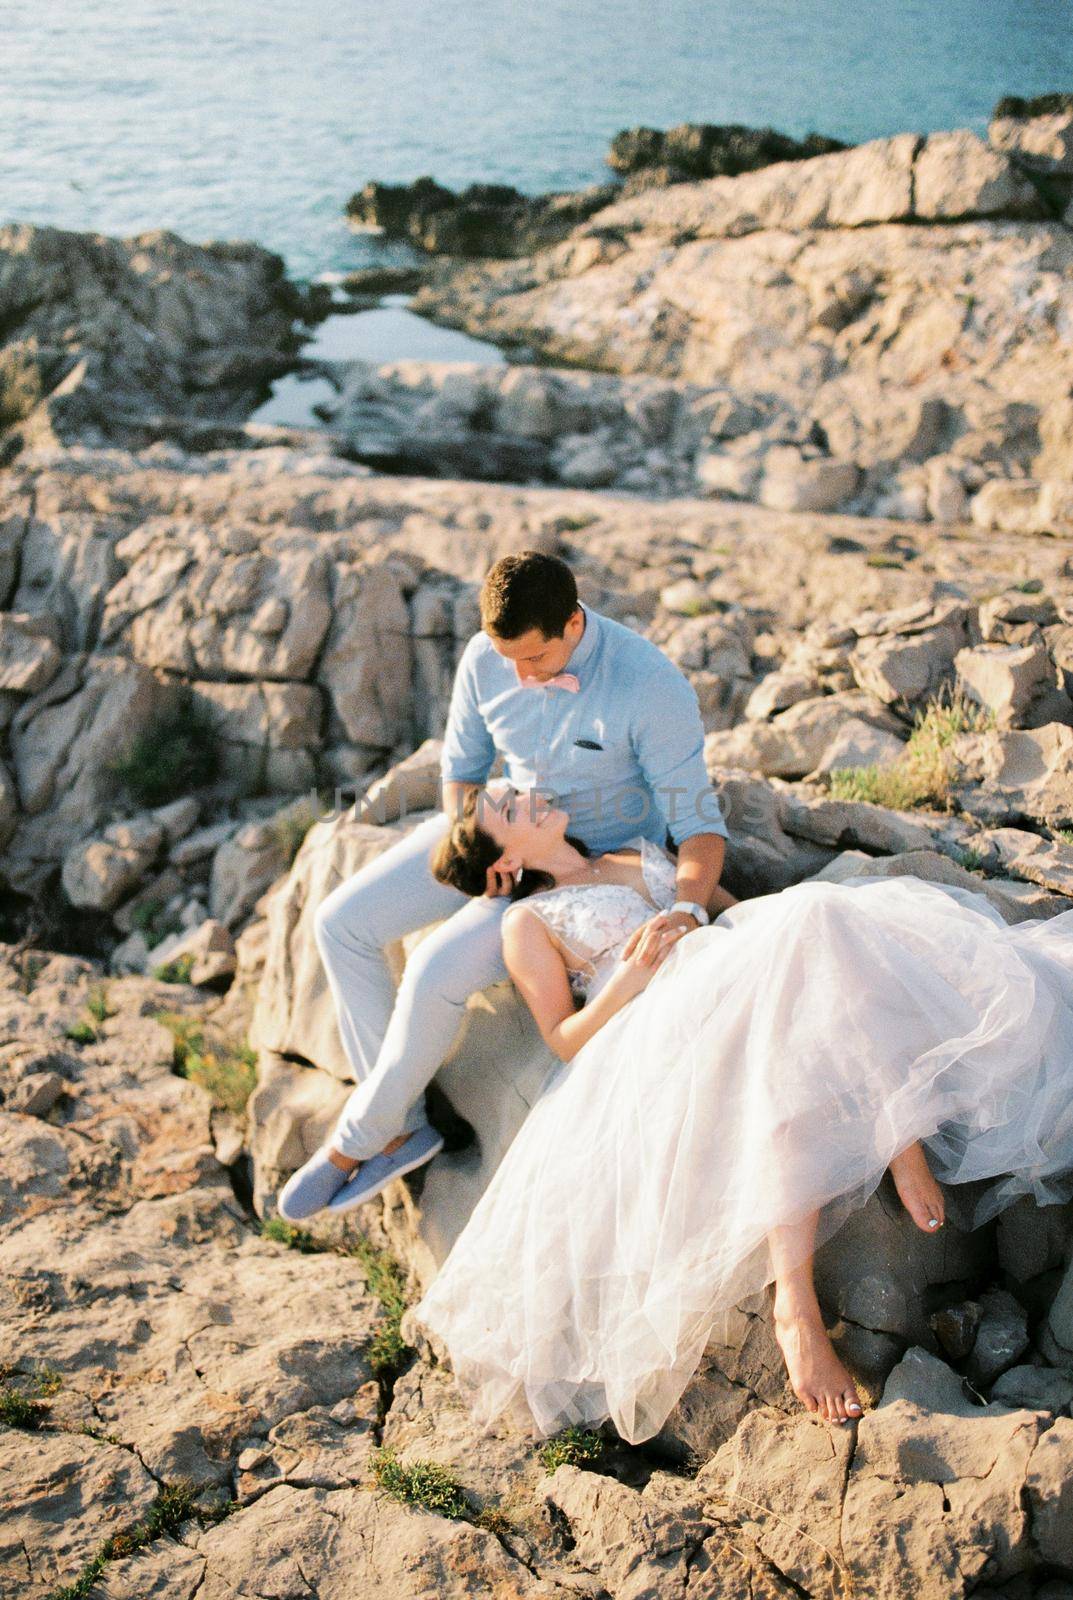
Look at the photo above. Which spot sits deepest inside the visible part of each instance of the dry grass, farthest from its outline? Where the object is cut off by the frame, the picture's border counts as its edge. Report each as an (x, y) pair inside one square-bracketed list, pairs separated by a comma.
[(921, 775)]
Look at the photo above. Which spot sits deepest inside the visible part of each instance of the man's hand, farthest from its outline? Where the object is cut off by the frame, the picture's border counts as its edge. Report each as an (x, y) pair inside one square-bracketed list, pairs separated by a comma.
[(660, 934)]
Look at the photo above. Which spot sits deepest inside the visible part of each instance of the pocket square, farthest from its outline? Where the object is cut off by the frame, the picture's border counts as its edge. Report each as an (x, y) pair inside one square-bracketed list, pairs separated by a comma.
[(588, 744)]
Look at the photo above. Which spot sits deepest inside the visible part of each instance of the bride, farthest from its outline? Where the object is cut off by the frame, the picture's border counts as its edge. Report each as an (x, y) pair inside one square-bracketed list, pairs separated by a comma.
[(723, 1103)]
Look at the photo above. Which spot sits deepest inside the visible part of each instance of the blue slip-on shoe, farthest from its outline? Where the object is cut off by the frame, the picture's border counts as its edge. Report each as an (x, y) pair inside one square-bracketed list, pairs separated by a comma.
[(310, 1188), (376, 1173)]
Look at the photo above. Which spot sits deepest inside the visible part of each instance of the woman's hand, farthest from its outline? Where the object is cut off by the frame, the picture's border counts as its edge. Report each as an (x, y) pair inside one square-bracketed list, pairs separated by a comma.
[(641, 958), (672, 924)]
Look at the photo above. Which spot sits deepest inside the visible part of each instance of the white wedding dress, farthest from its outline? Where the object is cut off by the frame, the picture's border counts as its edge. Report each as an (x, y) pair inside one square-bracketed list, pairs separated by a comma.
[(774, 1065)]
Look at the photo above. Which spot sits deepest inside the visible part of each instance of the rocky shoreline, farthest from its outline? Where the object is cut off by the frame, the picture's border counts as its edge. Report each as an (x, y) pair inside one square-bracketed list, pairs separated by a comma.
[(213, 638)]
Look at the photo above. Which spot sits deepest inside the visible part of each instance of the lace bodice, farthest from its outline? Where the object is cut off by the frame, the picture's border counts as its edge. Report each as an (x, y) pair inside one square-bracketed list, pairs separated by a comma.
[(592, 921)]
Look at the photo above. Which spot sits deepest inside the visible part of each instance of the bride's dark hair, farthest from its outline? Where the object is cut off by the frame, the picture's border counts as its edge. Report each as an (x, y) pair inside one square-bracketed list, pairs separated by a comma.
[(467, 850)]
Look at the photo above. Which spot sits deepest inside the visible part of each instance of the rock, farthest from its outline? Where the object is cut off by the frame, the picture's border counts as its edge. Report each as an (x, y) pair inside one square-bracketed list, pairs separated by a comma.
[(757, 1474), (1037, 144), (63, 743), (251, 859), (1032, 1239), (763, 856), (1001, 1339), (1050, 1487), (67, 1494), (29, 652), (957, 175), (777, 692), (209, 947), (1029, 773), (97, 875), (859, 744), (792, 482), (947, 497), (810, 735), (201, 843), (334, 1538), (36, 1094), (122, 333), (933, 1500), (178, 818), (1040, 861), (852, 824), (649, 1544), (906, 657), (411, 785), (708, 150), (291, 1112), (1011, 505), (295, 1014), (1006, 679), (484, 219), (1056, 1339), (266, 733), (956, 1328), (1034, 1389)]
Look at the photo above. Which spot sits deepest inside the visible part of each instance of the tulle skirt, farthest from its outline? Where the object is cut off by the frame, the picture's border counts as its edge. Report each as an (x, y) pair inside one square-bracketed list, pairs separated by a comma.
[(773, 1067)]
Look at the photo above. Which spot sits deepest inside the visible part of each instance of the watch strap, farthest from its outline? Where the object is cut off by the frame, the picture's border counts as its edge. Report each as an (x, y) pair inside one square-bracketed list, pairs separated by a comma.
[(694, 910)]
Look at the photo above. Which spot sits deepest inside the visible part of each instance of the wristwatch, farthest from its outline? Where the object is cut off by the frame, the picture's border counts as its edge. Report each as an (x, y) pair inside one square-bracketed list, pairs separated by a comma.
[(697, 912)]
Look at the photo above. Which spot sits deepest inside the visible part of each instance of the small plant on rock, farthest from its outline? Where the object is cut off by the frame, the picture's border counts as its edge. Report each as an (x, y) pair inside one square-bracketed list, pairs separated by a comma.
[(427, 1484), (921, 775), (226, 1070), (179, 751), (18, 1411), (574, 1447), (97, 1003), (81, 1033), (177, 971)]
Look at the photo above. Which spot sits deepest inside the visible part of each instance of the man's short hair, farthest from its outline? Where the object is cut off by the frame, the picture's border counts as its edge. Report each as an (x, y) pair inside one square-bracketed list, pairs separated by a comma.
[(525, 591)]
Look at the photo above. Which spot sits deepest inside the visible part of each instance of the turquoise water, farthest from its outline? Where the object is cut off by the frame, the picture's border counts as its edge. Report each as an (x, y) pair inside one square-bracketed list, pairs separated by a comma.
[(240, 119)]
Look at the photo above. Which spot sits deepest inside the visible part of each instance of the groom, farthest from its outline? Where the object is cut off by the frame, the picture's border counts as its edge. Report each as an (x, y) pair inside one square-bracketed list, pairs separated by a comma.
[(581, 708)]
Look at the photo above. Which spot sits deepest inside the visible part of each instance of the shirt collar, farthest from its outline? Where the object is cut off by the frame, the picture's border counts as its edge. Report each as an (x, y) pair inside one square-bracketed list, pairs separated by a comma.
[(585, 646)]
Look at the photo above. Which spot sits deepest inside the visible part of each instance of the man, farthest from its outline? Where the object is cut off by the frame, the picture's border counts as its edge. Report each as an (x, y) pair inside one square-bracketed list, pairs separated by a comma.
[(581, 708)]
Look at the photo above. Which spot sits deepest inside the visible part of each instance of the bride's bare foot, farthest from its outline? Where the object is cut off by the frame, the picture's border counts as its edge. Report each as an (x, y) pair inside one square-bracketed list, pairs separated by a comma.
[(917, 1189), (349, 1163), (817, 1377)]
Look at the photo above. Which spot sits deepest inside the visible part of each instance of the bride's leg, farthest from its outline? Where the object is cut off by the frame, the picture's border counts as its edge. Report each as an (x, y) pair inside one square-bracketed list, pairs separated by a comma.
[(917, 1189), (817, 1376)]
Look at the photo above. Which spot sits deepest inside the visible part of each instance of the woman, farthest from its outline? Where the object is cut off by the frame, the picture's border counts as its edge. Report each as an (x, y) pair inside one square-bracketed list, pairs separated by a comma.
[(722, 1107)]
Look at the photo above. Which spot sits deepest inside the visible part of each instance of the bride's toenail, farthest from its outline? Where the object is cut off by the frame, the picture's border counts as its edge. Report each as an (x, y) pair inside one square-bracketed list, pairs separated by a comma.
[(933, 1222)]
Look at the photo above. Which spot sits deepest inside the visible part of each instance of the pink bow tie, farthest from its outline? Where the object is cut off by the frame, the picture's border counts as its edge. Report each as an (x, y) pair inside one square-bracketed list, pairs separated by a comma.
[(564, 680)]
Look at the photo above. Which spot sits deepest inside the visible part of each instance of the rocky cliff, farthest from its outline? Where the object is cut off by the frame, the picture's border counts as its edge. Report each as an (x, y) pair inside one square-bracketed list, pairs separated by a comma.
[(206, 653)]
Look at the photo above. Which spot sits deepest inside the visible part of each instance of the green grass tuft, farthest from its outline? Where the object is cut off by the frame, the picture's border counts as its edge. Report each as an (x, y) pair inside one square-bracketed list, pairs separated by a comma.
[(574, 1447), (97, 1003), (289, 829), (17, 1411), (387, 1349), (921, 774), (81, 1033), (282, 1232), (427, 1484), (226, 1070), (177, 971), (159, 763)]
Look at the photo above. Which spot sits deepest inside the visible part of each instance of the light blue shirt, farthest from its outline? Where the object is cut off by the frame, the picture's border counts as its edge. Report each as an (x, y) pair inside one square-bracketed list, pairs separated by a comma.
[(624, 755)]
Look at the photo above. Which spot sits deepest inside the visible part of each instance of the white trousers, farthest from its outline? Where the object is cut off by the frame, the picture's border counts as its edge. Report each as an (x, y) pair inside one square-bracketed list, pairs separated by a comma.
[(396, 1041)]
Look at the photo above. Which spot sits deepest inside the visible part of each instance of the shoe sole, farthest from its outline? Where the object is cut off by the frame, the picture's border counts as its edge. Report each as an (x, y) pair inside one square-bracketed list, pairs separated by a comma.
[(400, 1172)]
